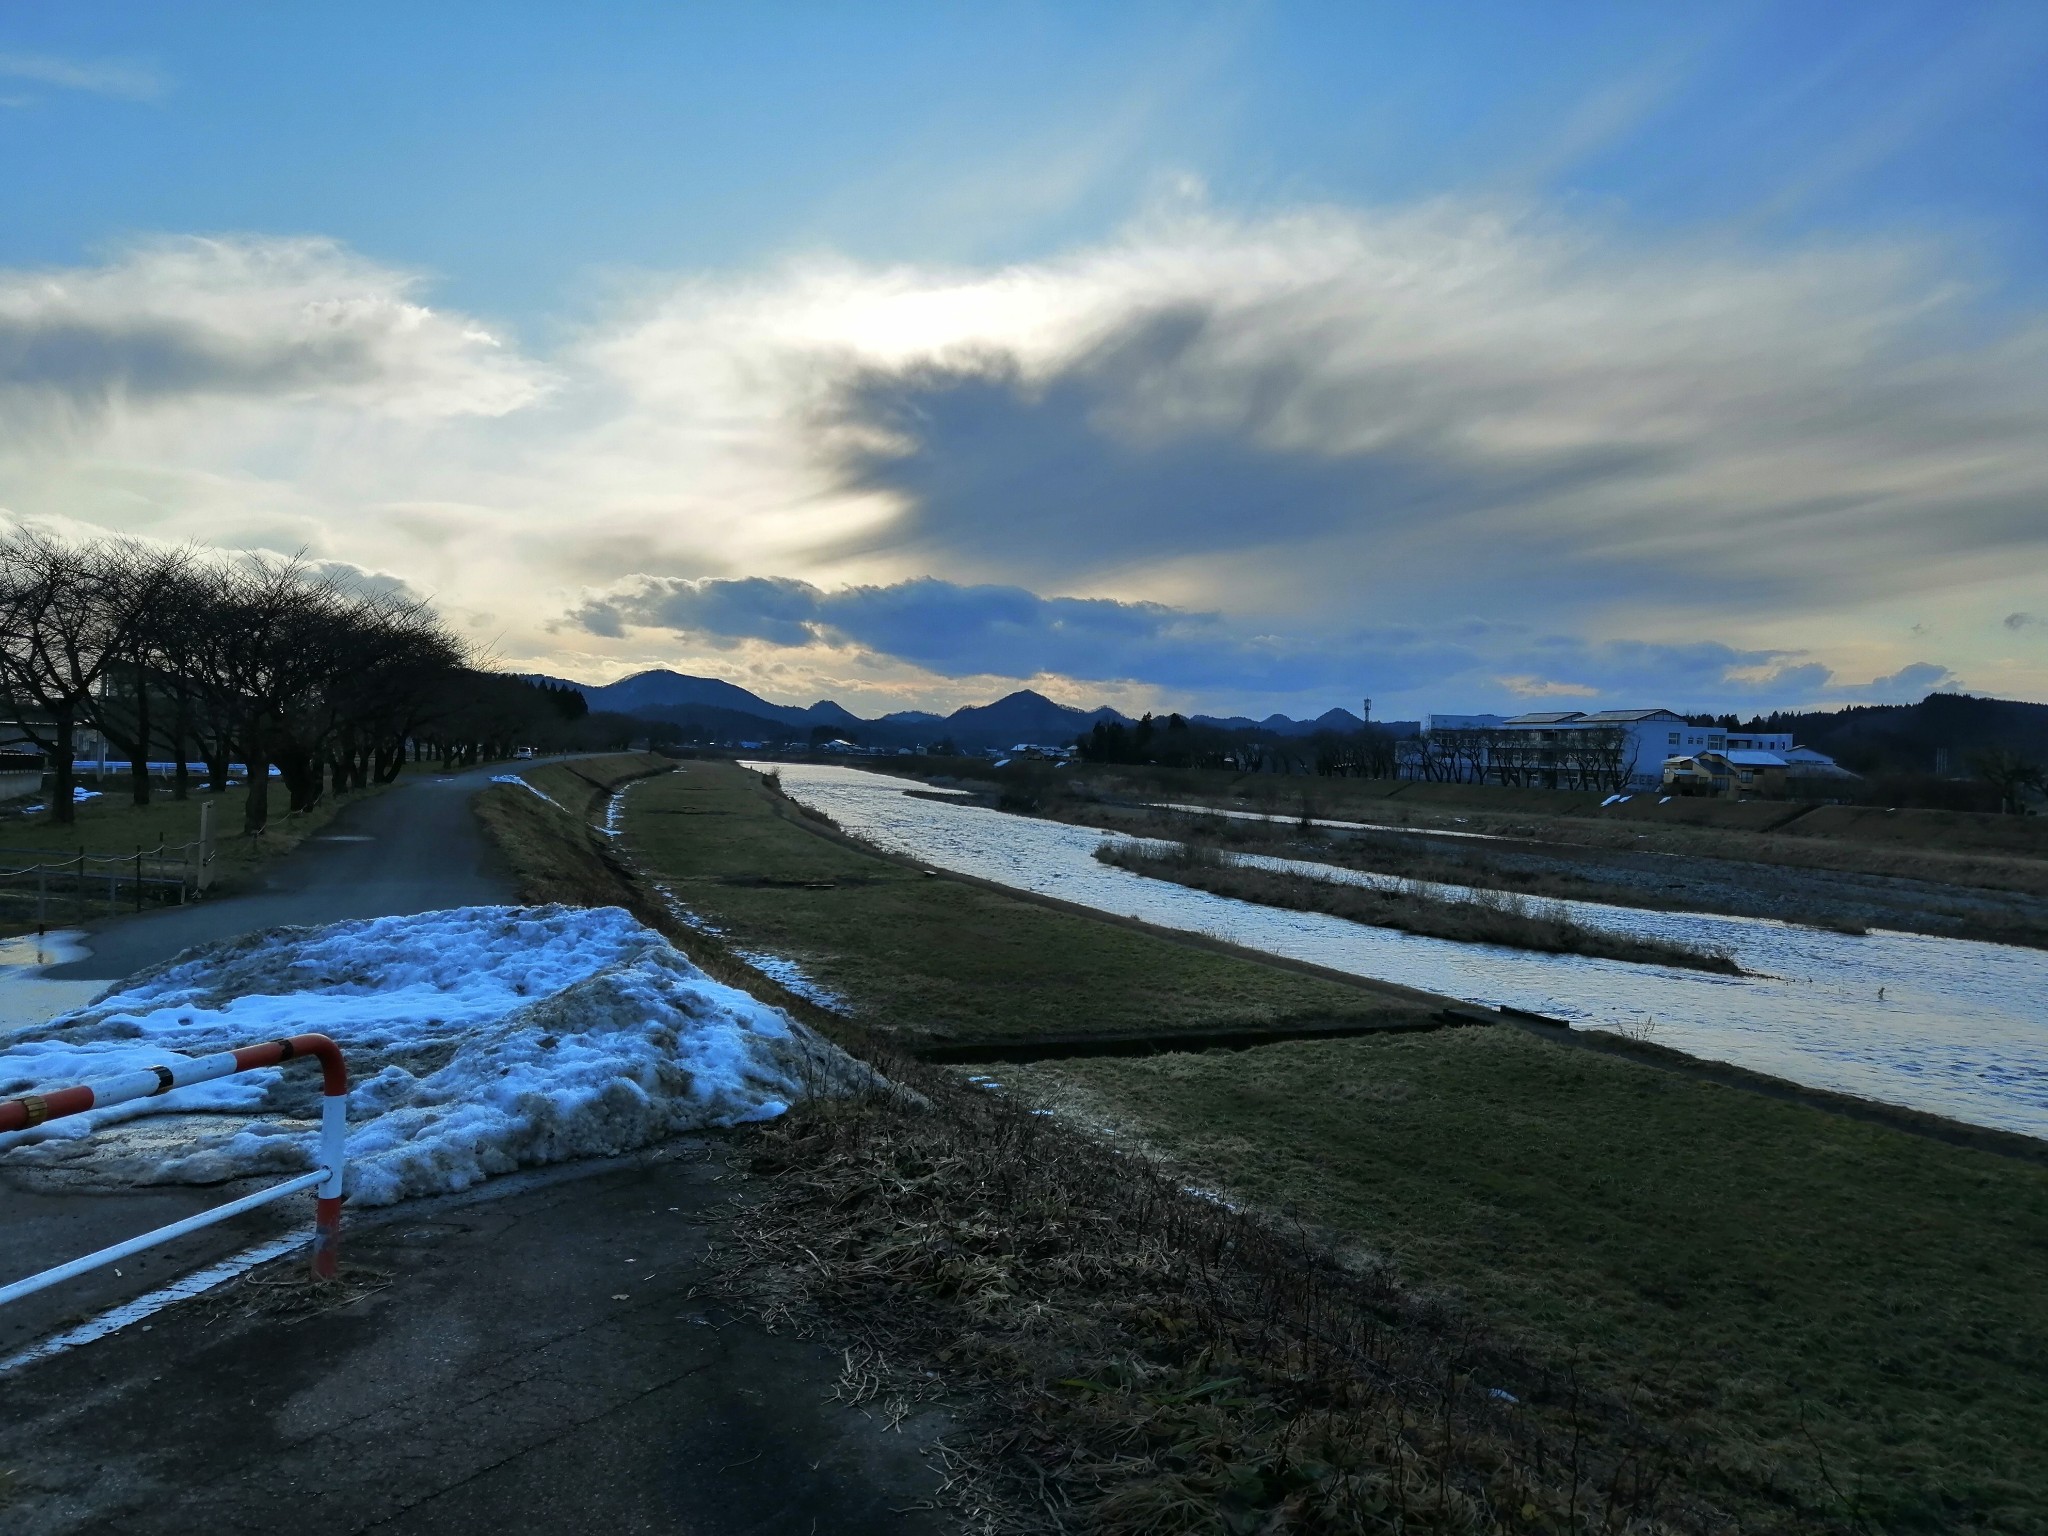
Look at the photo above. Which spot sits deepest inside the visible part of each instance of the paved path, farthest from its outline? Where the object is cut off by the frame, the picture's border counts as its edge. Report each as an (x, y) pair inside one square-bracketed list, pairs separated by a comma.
[(538, 1362), (415, 848)]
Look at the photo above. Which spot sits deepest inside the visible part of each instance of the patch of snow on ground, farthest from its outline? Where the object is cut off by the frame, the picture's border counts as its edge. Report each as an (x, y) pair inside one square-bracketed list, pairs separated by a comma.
[(614, 811), (479, 1040), (513, 778), (785, 973), (794, 979)]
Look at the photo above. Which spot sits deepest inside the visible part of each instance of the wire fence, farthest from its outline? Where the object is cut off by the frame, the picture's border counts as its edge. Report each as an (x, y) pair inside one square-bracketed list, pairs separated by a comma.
[(46, 885), (61, 886)]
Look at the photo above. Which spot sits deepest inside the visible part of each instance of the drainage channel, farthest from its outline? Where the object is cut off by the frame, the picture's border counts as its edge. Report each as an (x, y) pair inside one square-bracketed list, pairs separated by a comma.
[(1158, 1042)]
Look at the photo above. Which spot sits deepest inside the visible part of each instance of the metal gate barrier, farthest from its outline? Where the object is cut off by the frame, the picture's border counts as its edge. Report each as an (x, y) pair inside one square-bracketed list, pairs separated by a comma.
[(36, 1109)]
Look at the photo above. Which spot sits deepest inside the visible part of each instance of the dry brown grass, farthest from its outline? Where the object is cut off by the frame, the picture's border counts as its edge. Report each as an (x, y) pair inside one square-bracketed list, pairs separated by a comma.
[(554, 854), (1154, 1362)]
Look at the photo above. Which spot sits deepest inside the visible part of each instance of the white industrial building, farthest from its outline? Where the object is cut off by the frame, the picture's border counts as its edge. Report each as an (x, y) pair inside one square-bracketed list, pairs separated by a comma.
[(1622, 749)]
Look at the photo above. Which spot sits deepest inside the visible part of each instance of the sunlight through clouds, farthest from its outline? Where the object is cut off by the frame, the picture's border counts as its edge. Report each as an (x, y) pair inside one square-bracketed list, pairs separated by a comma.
[(1336, 425)]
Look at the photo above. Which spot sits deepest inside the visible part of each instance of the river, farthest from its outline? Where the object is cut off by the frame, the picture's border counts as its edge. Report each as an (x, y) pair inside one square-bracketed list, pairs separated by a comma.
[(1943, 1025)]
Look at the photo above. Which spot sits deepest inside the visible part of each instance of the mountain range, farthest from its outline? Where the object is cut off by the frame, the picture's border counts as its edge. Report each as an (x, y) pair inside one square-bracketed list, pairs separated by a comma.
[(727, 711)]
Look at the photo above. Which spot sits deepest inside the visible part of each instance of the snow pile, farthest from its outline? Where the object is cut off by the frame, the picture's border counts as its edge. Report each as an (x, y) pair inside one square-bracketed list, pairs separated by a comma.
[(479, 1040)]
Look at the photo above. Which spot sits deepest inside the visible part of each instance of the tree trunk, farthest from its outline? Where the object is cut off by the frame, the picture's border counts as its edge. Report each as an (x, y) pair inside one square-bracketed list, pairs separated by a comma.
[(256, 807), (300, 771), (138, 754), (63, 777), (181, 780)]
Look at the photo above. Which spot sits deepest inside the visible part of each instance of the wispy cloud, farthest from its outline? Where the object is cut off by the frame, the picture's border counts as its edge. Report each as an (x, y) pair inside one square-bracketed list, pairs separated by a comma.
[(1305, 451), (126, 79), (282, 320)]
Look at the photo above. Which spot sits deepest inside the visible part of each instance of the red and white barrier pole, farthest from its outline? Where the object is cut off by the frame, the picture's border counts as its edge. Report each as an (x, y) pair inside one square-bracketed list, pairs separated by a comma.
[(34, 1109)]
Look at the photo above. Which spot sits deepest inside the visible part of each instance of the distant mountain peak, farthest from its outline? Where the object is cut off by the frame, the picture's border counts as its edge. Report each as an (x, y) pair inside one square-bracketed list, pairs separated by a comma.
[(662, 693)]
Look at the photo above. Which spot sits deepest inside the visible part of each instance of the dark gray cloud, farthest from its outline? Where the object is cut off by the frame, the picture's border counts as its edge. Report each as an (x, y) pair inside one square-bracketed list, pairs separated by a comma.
[(1035, 476), (141, 358), (1908, 685), (1442, 406), (967, 631), (2020, 621), (1039, 476), (952, 630)]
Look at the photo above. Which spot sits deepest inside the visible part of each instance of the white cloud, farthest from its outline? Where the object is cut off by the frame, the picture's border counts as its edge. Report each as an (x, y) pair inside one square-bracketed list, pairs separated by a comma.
[(99, 77), (292, 322), (1334, 426)]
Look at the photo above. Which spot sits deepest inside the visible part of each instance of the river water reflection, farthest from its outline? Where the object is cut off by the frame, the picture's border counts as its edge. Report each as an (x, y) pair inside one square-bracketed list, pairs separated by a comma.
[(1960, 1030)]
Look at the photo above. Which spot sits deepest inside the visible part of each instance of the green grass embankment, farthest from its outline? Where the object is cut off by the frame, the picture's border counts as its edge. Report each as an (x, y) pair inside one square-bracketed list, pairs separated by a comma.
[(1750, 1314), (1849, 1320), (934, 959), (549, 847)]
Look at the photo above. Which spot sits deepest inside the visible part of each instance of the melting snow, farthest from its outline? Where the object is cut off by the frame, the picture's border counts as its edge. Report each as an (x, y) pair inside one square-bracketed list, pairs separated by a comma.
[(480, 1040), (784, 972), (513, 778)]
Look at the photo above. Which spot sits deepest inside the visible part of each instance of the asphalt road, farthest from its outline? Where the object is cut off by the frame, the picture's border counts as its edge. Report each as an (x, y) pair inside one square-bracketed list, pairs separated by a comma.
[(414, 848), (546, 1358), (542, 1356)]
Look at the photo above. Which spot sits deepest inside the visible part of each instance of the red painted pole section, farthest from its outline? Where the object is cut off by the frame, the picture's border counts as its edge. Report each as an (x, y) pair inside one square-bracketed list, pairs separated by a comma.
[(333, 1070), (34, 1109), (326, 1237)]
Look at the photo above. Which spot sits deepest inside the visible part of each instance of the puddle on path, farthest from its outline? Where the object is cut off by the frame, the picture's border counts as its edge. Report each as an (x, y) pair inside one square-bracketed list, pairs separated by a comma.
[(27, 998)]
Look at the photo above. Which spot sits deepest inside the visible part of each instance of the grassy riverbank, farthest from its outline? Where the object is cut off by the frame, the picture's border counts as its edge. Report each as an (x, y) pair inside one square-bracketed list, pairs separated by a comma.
[(1714, 1311), (1595, 855), (1488, 917), (1984, 853), (1847, 1322), (940, 960)]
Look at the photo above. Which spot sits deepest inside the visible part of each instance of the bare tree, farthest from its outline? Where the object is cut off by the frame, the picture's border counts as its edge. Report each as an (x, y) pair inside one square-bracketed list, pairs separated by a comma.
[(2011, 775), (135, 582), (71, 614)]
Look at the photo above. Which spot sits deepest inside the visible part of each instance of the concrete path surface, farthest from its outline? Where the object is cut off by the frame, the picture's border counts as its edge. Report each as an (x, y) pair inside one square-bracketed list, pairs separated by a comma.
[(536, 1362)]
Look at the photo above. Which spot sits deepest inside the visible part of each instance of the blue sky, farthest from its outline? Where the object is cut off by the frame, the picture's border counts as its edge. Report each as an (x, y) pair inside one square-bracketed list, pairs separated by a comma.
[(1256, 355)]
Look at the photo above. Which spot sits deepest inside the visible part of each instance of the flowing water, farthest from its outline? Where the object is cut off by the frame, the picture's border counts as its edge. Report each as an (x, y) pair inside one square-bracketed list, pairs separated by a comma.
[(1943, 1025)]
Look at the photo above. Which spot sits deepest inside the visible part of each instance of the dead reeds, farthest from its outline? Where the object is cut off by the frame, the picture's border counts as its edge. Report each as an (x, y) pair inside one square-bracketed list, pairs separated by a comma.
[(1156, 1361)]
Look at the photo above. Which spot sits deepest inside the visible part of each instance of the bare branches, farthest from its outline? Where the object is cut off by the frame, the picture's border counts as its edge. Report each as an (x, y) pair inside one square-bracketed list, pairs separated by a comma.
[(268, 659)]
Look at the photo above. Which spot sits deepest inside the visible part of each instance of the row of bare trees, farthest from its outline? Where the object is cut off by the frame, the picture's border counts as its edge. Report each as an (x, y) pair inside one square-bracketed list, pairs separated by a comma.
[(180, 655)]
